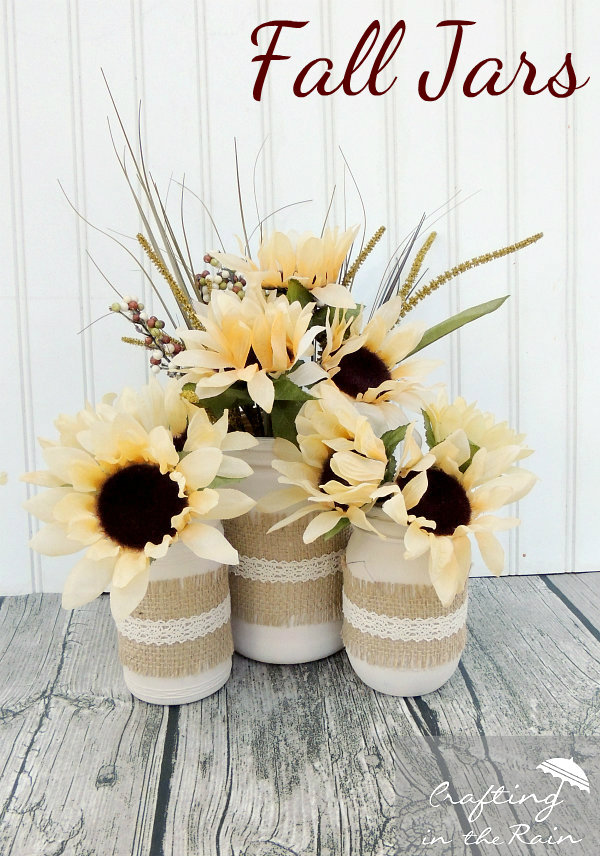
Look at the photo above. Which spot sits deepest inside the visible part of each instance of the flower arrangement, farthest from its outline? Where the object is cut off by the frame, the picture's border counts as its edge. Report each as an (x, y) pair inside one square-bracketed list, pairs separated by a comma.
[(127, 480), (272, 343)]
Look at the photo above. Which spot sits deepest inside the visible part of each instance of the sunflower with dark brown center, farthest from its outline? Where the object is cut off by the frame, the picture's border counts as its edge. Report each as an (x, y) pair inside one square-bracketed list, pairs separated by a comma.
[(447, 495), (125, 493), (369, 363)]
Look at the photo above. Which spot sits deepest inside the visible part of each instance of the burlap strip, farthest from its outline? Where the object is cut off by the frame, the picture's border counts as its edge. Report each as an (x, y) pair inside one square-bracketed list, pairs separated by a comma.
[(180, 598), (284, 604), (405, 602)]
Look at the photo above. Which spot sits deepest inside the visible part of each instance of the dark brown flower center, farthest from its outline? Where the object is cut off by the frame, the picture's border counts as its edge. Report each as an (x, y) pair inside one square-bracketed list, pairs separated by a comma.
[(327, 475), (179, 440), (359, 371), (444, 501), (136, 504)]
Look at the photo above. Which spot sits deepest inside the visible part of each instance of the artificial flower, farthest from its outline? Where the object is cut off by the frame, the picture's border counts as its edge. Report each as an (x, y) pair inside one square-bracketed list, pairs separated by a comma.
[(313, 262), (253, 340), (451, 496), (337, 470), (370, 364), (481, 428), (123, 492)]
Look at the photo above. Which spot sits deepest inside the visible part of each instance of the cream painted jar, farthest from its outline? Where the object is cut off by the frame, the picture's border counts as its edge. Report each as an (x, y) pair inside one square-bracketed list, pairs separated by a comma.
[(286, 596), (399, 637), (176, 646)]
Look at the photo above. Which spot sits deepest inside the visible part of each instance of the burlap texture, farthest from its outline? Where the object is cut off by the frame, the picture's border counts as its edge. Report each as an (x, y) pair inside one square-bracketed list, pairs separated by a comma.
[(400, 601), (180, 598), (287, 604), (279, 604)]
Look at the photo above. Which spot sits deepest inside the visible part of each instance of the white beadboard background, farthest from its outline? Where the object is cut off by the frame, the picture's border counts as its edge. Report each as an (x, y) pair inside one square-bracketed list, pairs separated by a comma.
[(528, 164)]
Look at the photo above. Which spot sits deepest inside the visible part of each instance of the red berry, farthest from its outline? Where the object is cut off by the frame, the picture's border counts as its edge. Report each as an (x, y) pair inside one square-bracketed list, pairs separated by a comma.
[(177, 348), (155, 361), (135, 317), (207, 258), (132, 304), (149, 341), (165, 339), (151, 322)]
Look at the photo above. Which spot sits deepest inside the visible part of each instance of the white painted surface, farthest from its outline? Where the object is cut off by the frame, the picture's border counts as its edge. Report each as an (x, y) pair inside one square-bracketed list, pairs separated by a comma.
[(531, 159)]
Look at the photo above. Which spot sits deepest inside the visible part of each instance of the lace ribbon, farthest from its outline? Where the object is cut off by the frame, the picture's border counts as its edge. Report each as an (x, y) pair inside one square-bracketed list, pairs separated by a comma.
[(147, 632), (275, 571), (404, 629)]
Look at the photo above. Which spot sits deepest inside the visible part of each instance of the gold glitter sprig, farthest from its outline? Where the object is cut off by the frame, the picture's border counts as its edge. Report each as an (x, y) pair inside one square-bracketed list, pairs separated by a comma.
[(181, 298), (349, 278), (465, 266), (190, 396), (129, 341), (416, 266)]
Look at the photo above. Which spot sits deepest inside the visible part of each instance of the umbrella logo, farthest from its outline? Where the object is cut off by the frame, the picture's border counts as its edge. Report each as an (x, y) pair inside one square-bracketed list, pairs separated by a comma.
[(566, 770)]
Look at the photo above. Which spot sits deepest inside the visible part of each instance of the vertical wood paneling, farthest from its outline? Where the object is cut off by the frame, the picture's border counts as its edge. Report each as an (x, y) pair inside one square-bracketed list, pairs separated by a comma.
[(530, 161)]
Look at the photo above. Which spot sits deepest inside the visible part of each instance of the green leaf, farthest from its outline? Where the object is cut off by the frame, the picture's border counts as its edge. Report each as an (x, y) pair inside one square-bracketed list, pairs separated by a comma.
[(429, 435), (297, 292), (390, 440), (339, 527), (287, 390), (474, 448), (283, 419), (456, 321), (235, 396), (221, 481)]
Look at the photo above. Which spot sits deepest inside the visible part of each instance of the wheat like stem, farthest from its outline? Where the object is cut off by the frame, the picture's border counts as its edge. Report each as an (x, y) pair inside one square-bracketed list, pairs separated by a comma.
[(182, 300), (465, 266), (416, 266), (349, 278)]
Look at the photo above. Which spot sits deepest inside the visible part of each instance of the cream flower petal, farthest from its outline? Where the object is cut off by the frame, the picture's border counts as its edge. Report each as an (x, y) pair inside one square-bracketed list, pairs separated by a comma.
[(291, 518), (262, 391), (414, 490), (161, 448), (320, 525), (231, 503), (43, 478), (356, 469), (234, 468), (357, 517), (278, 500), (199, 468), (203, 501), (208, 543), (491, 551), (416, 541), (396, 509), (86, 581), (125, 599), (74, 466), (43, 503), (129, 564), (103, 549), (335, 294), (158, 551), (237, 440), (52, 540)]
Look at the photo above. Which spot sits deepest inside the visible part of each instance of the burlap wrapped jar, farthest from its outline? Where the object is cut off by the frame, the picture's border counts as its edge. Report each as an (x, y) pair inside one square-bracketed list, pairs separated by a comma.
[(286, 596), (400, 639), (176, 647)]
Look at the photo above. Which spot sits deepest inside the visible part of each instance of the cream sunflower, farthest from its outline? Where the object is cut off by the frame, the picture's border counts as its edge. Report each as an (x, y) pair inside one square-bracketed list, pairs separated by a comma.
[(253, 340), (125, 494), (481, 428), (452, 497), (369, 364), (337, 473), (314, 262)]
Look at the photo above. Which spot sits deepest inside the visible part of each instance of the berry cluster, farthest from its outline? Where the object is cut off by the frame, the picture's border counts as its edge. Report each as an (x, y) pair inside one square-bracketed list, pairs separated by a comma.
[(164, 347), (222, 278)]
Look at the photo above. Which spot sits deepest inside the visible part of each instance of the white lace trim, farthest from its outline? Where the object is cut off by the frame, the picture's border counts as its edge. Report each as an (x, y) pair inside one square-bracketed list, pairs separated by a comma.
[(275, 571), (147, 632), (404, 629)]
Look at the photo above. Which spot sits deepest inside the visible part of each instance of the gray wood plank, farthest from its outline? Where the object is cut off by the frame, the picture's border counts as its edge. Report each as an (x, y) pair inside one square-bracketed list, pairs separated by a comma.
[(81, 775), (530, 667), (580, 593), (294, 760)]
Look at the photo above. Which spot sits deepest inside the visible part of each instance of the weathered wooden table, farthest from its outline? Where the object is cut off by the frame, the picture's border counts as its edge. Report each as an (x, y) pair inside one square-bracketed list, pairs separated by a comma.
[(290, 759)]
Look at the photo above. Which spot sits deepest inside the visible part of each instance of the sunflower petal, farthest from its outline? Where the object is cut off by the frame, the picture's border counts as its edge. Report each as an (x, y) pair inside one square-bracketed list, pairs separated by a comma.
[(86, 581), (208, 543), (125, 599)]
